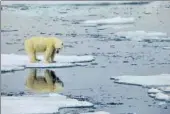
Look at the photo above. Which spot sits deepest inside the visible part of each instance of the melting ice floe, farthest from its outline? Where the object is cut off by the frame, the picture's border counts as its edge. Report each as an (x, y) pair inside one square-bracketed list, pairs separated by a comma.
[(99, 112), (142, 35), (115, 20), (17, 62), (159, 84), (155, 80), (38, 104)]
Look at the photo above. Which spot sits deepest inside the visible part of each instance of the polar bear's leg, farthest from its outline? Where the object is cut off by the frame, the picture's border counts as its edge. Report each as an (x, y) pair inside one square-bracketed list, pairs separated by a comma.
[(48, 54), (53, 55), (32, 56), (30, 52)]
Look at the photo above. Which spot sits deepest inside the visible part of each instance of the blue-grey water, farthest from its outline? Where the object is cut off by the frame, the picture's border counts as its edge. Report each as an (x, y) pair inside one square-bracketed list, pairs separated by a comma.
[(113, 57)]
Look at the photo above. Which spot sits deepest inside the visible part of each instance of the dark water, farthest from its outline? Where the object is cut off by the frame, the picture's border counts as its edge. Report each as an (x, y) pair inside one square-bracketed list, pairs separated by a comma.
[(113, 57)]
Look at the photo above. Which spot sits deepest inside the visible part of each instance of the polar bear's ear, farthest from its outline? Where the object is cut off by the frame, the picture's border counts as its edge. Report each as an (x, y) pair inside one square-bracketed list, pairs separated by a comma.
[(62, 45), (58, 44)]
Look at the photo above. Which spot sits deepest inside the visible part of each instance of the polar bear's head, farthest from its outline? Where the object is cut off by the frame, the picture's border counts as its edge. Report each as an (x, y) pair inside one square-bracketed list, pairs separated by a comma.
[(58, 45)]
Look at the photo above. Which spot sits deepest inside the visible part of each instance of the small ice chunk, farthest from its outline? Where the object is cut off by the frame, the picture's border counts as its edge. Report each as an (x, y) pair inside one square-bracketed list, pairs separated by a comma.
[(161, 103), (165, 89), (167, 48), (153, 91), (115, 26), (115, 20), (99, 112), (142, 35), (152, 95), (162, 96)]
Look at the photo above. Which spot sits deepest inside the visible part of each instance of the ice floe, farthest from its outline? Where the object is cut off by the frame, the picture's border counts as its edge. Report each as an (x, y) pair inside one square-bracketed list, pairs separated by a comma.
[(115, 20), (155, 80), (159, 85), (15, 62), (143, 35), (38, 104)]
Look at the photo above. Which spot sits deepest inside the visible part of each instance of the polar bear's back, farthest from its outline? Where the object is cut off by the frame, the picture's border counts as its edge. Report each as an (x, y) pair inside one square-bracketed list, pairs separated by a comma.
[(40, 44)]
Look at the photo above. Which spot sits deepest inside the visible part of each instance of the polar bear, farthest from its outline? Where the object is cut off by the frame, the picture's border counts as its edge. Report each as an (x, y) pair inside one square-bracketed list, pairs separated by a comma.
[(44, 84), (47, 45)]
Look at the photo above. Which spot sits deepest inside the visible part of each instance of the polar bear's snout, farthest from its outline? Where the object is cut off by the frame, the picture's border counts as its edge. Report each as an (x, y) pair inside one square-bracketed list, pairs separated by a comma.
[(57, 51), (60, 48)]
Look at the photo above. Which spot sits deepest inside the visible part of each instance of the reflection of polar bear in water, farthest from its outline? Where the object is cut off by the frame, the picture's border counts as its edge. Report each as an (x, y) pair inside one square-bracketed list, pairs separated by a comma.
[(49, 46), (49, 83)]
